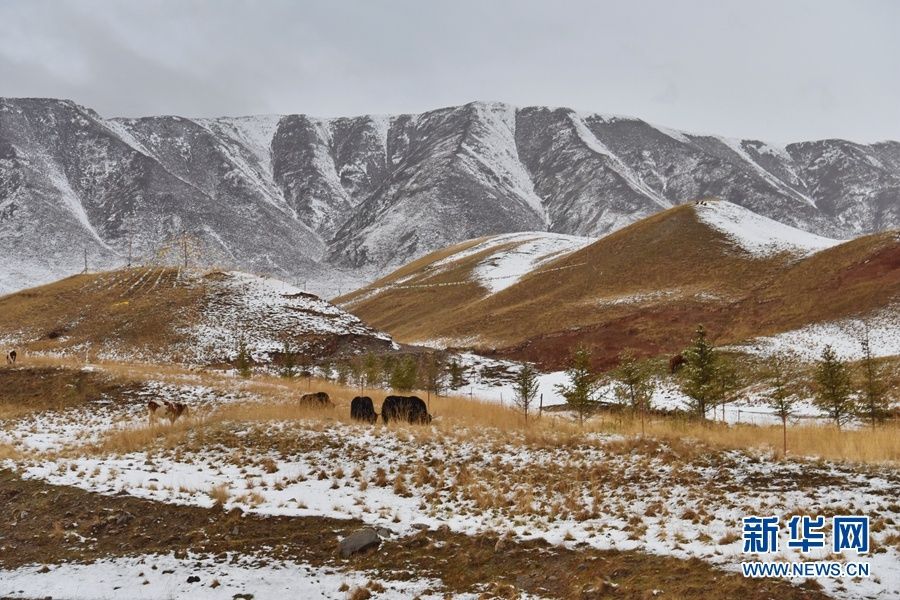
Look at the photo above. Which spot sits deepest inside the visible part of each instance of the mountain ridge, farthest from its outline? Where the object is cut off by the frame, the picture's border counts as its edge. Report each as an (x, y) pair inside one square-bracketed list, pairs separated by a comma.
[(338, 201)]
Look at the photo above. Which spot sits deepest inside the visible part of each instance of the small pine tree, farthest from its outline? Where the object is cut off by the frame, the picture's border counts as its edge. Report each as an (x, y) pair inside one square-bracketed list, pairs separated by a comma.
[(388, 363), (874, 402), (781, 396), (457, 374), (343, 373), (327, 370), (634, 387), (289, 361), (706, 381), (405, 374), (357, 372), (433, 374), (525, 388), (243, 360), (583, 383), (371, 370), (833, 388)]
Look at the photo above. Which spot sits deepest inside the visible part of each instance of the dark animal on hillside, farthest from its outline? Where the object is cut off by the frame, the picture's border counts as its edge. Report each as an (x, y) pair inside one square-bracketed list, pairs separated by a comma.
[(411, 409), (11, 357), (175, 410), (675, 363), (316, 400), (362, 409)]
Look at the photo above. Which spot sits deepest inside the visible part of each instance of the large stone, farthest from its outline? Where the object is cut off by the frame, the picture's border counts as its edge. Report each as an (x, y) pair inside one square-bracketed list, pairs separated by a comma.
[(359, 541)]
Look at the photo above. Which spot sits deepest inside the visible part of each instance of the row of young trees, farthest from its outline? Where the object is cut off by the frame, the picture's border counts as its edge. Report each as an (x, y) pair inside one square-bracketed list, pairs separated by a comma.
[(709, 379), (425, 371)]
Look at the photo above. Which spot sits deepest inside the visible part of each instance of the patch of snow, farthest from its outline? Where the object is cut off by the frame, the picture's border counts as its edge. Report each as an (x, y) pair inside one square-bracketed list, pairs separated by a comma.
[(507, 267), (844, 337), (260, 310), (71, 199), (492, 149), (759, 235), (153, 577)]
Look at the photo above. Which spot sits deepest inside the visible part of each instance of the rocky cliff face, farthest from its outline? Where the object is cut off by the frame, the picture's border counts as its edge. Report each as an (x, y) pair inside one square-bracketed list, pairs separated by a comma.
[(326, 200)]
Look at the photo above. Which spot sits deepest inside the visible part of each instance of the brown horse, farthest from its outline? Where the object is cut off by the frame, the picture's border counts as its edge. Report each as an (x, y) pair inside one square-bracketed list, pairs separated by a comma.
[(675, 363), (171, 410)]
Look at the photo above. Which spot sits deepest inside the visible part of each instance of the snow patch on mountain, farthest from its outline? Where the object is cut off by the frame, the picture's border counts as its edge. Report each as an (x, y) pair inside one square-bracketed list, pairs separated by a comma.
[(493, 155), (528, 253), (617, 164), (758, 235), (70, 199), (737, 146)]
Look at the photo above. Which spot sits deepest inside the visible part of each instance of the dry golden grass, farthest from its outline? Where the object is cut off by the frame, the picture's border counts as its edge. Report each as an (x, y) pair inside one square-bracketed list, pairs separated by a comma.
[(140, 307), (9, 453), (466, 418), (860, 445)]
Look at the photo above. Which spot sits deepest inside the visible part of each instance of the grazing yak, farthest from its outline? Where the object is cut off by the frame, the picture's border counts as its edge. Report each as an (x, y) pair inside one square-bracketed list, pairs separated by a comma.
[(675, 363), (362, 409), (411, 409), (11, 357), (316, 400), (171, 410)]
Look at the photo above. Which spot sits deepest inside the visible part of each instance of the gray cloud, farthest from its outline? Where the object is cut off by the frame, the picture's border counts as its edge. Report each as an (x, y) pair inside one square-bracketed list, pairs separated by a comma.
[(770, 69)]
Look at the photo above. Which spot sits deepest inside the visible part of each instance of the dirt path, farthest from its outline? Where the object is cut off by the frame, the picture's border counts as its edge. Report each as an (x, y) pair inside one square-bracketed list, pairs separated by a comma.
[(47, 524)]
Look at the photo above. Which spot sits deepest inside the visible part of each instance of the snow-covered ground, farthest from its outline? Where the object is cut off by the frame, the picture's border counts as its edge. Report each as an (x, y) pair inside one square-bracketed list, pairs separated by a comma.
[(155, 577), (57, 431), (759, 235), (844, 336), (600, 490), (260, 310)]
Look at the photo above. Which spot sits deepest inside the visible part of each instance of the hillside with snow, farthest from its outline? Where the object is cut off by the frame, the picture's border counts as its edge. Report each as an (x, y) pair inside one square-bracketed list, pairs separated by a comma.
[(643, 288), (338, 202), (191, 317), (758, 235)]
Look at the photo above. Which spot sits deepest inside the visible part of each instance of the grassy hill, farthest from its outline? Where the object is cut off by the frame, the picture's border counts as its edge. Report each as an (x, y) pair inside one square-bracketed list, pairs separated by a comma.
[(643, 288), (161, 313)]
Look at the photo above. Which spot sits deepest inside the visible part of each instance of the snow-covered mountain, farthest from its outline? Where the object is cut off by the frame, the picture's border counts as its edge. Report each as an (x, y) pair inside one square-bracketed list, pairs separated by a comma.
[(334, 202)]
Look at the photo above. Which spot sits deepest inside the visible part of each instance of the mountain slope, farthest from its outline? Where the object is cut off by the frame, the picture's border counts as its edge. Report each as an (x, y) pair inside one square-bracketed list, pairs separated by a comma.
[(345, 199), (165, 314), (644, 288)]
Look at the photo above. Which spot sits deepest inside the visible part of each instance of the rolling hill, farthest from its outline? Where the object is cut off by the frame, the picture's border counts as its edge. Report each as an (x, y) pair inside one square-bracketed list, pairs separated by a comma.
[(642, 288), (161, 314)]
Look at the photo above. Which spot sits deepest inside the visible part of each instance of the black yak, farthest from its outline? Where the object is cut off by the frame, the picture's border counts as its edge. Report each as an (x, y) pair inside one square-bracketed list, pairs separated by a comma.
[(316, 400), (411, 409), (362, 409)]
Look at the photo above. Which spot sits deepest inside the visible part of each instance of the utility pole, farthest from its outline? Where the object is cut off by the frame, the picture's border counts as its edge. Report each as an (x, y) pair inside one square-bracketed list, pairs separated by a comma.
[(184, 248), (85, 260)]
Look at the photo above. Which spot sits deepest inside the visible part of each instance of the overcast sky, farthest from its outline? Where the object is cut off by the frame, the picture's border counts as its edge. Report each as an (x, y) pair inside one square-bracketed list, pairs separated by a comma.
[(783, 70)]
